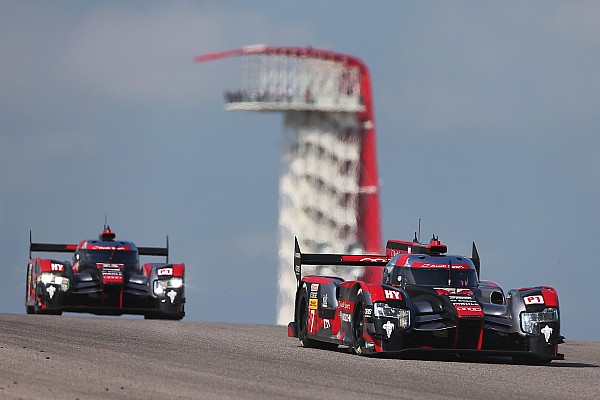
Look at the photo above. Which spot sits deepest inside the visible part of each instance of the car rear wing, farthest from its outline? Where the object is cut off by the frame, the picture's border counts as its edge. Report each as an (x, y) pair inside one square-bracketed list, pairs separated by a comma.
[(155, 251), (70, 248), (355, 260)]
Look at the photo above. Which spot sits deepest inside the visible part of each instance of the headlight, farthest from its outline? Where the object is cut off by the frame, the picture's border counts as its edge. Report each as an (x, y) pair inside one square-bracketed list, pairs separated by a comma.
[(530, 322), (384, 310), (161, 286), (48, 278), (176, 283)]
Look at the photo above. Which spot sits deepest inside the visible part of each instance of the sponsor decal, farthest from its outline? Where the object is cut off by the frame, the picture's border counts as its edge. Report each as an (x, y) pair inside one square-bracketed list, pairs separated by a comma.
[(392, 295), (114, 266), (464, 292), (314, 287), (311, 321), (326, 324), (369, 259), (111, 273), (324, 300), (313, 295), (313, 304), (469, 309), (345, 305), (430, 265), (57, 267), (463, 301), (51, 289), (164, 271), (368, 312), (465, 304), (533, 300), (389, 328), (94, 247), (172, 294), (547, 331), (346, 317)]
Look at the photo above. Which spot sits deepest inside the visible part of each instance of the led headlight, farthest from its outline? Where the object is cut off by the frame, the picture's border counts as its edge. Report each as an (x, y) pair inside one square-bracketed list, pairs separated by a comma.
[(175, 282), (384, 310), (530, 321), (48, 278), (161, 286)]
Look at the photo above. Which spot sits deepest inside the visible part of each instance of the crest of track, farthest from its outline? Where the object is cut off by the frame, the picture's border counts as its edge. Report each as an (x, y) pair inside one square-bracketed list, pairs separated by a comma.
[(80, 357)]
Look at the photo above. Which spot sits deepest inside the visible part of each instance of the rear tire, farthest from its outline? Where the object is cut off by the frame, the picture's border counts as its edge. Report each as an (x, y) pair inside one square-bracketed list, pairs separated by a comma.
[(303, 327), (358, 325), (303, 322)]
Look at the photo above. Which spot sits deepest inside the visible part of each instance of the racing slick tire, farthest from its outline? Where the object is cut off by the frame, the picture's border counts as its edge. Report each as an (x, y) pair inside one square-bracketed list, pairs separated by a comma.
[(303, 326), (358, 326)]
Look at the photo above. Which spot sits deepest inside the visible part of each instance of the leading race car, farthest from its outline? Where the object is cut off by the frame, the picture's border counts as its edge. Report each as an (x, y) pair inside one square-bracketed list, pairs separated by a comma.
[(106, 278), (415, 298)]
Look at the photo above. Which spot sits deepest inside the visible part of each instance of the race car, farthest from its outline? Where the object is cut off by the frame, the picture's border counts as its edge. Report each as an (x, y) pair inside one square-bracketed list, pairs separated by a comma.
[(417, 299), (105, 278)]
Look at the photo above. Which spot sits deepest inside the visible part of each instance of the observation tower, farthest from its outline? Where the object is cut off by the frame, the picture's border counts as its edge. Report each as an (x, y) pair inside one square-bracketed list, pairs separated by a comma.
[(329, 189)]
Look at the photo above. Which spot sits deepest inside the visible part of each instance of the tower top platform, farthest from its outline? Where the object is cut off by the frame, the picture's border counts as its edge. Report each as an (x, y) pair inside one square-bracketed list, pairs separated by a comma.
[(295, 79)]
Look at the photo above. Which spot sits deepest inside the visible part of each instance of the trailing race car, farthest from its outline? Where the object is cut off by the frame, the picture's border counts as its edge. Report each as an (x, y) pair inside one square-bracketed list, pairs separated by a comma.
[(417, 298), (106, 278)]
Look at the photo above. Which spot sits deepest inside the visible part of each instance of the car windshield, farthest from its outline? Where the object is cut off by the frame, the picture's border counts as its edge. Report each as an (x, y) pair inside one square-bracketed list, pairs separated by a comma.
[(110, 256), (441, 277)]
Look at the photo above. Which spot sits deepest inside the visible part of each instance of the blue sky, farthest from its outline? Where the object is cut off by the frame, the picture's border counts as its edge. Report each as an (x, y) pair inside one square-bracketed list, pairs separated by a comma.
[(487, 118)]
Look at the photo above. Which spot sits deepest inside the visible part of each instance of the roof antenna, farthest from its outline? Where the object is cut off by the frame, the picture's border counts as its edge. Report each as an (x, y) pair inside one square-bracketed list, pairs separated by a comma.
[(419, 237), (105, 221)]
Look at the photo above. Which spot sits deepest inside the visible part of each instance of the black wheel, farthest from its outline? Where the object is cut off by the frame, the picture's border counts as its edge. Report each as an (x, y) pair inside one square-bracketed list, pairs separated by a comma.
[(358, 326), (37, 309), (303, 322), (30, 309), (303, 328)]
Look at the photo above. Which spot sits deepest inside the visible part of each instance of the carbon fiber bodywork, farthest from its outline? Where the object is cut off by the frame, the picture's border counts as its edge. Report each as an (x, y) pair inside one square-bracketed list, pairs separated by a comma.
[(426, 302), (105, 278)]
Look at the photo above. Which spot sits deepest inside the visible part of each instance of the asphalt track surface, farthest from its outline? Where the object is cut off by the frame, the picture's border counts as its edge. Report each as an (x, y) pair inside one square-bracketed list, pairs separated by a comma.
[(77, 357)]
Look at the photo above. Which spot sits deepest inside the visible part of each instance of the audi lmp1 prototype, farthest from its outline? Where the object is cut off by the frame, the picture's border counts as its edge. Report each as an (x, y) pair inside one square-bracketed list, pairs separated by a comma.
[(415, 298), (106, 278)]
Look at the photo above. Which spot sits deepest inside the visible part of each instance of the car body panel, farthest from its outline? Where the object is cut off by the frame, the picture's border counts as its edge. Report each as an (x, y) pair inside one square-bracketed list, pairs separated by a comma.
[(105, 278), (425, 301)]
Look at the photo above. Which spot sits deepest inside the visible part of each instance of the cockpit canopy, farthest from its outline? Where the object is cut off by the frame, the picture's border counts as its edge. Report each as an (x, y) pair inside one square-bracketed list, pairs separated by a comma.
[(109, 252), (432, 271)]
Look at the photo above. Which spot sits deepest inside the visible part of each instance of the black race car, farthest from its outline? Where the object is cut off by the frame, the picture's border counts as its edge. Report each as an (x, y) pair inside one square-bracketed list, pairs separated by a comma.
[(418, 299), (106, 278)]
